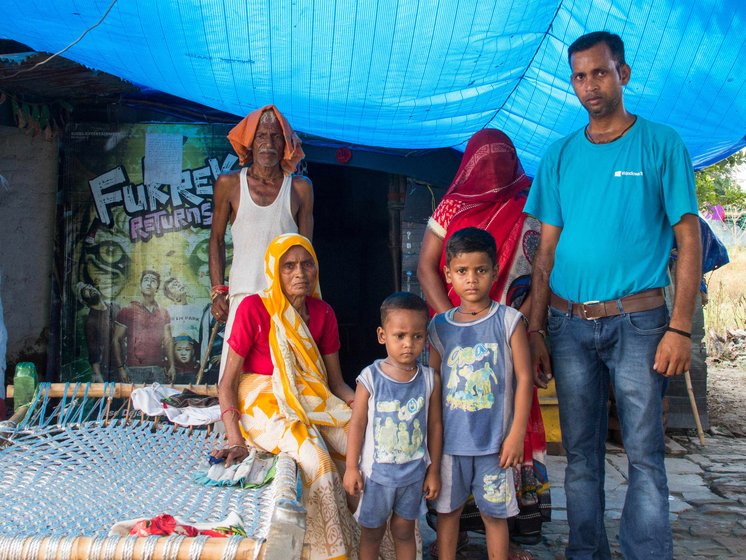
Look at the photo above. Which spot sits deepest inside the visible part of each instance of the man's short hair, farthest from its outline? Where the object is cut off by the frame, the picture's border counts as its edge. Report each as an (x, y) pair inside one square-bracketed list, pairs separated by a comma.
[(612, 40), (403, 300), (471, 240), (153, 273)]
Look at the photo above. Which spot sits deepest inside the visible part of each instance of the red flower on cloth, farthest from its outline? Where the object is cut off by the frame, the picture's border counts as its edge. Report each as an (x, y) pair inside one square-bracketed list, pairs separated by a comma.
[(160, 525), (165, 524), (186, 530)]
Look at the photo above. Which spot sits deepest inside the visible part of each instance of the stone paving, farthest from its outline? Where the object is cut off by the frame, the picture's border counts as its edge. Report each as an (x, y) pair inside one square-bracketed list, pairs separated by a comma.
[(707, 487)]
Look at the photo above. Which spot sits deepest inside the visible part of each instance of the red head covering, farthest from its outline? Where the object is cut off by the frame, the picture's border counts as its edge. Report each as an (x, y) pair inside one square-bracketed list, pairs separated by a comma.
[(241, 137), (492, 184)]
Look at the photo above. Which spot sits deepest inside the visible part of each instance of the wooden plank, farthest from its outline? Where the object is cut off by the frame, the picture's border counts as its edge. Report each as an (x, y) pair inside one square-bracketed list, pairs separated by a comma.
[(121, 390)]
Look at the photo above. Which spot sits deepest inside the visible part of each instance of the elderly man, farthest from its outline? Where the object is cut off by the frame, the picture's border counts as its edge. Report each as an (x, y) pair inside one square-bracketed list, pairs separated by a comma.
[(261, 201)]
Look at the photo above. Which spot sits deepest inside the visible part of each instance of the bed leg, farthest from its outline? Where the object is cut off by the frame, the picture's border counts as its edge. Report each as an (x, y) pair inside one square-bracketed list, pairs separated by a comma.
[(286, 531)]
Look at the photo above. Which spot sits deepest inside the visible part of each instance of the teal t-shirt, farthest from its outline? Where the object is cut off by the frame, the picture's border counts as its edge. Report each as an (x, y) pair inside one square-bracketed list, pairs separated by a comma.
[(616, 204)]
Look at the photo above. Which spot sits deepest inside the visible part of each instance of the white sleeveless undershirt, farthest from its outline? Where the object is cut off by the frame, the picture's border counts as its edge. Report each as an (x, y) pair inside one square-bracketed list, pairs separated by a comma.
[(252, 231)]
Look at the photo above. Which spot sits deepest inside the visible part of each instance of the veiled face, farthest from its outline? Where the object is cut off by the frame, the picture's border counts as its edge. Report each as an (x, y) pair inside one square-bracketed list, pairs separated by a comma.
[(297, 272)]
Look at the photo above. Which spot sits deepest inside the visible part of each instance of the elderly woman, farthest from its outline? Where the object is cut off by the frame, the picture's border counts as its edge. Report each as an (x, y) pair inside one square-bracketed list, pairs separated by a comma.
[(282, 390), (489, 192)]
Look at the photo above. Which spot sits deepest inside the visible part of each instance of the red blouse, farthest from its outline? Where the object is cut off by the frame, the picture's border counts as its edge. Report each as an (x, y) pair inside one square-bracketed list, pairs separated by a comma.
[(250, 334)]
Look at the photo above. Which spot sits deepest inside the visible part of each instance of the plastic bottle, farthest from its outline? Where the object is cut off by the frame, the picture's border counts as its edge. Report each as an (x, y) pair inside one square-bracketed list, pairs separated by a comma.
[(24, 384)]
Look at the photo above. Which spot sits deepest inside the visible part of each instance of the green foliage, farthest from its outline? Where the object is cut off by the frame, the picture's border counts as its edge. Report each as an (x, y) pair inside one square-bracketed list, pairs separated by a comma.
[(716, 184)]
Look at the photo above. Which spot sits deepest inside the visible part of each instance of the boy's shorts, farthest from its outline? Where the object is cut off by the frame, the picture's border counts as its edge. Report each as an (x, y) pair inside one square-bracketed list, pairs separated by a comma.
[(492, 486), (378, 501)]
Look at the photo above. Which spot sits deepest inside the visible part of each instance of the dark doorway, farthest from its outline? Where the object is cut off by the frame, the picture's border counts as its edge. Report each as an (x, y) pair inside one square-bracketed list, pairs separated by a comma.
[(355, 266)]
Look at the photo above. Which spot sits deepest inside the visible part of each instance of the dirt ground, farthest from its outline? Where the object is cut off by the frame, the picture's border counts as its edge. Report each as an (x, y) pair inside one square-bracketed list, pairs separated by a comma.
[(726, 397)]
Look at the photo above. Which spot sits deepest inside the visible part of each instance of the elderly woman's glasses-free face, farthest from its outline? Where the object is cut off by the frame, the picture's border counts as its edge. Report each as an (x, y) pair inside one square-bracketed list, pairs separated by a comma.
[(297, 272)]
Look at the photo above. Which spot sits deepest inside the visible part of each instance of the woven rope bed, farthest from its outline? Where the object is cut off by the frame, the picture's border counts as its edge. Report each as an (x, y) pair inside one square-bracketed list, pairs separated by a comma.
[(80, 459)]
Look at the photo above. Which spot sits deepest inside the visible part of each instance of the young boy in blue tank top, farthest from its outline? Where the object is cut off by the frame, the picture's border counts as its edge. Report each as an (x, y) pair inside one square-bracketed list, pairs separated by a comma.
[(480, 349), (395, 434)]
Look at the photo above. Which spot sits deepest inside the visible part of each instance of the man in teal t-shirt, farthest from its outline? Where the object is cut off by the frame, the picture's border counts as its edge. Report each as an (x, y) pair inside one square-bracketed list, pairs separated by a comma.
[(611, 199)]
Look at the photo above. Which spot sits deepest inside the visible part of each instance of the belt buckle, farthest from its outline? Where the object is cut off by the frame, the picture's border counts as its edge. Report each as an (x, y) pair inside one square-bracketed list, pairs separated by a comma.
[(585, 305)]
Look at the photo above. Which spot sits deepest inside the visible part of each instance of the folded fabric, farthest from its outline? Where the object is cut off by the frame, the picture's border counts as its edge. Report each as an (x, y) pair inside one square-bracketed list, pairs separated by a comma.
[(165, 524), (149, 400), (255, 471), (191, 416)]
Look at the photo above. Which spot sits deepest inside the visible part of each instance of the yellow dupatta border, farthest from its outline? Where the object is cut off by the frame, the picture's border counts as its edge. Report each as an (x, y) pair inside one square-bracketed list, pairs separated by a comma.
[(299, 380)]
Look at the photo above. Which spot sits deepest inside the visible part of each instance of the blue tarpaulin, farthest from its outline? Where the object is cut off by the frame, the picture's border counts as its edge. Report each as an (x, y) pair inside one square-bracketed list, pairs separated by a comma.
[(412, 73)]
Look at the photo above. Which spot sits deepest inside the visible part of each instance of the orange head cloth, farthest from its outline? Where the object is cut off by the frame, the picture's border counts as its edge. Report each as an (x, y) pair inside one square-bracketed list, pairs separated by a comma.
[(241, 137)]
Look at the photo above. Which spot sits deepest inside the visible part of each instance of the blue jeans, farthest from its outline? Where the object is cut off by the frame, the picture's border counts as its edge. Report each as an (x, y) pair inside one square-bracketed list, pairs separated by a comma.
[(586, 355)]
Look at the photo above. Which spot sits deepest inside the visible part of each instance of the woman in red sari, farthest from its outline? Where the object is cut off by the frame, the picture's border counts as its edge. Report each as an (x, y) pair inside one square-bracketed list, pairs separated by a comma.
[(489, 192)]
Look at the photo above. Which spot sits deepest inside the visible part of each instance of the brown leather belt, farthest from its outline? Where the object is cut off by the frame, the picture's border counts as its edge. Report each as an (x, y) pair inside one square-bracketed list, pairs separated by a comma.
[(641, 301)]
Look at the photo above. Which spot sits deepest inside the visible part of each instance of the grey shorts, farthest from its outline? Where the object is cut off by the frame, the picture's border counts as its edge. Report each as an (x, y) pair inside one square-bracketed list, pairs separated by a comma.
[(379, 502), (493, 487)]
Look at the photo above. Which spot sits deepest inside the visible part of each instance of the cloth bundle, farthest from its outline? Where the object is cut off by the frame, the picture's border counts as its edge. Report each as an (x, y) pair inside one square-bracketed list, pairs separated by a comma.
[(156, 400), (254, 471), (165, 524)]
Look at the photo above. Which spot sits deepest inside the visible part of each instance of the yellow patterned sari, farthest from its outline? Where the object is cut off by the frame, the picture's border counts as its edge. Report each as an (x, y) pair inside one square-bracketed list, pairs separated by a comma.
[(294, 411)]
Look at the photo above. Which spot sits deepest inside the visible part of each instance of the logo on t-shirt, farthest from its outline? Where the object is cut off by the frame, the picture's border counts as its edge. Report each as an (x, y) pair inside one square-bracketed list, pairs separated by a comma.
[(628, 173)]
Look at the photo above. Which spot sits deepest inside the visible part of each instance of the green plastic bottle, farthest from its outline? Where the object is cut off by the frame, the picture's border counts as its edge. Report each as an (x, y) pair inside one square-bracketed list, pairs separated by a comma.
[(24, 384)]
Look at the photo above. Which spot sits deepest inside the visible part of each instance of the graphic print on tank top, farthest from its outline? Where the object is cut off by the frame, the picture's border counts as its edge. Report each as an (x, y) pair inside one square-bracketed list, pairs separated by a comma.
[(470, 385), (398, 431)]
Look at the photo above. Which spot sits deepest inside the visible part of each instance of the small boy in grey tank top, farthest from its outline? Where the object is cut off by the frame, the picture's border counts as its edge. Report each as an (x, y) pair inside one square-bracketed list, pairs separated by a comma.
[(480, 349), (395, 434)]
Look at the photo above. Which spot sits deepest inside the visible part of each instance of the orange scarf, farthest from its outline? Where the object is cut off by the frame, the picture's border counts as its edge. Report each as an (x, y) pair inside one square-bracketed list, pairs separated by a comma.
[(241, 137)]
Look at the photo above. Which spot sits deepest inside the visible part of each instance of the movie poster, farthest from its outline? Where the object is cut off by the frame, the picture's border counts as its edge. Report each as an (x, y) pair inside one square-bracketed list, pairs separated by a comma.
[(137, 216)]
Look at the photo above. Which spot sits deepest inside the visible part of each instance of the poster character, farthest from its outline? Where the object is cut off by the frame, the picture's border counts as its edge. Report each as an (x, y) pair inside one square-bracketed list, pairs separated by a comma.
[(185, 354), (142, 339), (98, 331)]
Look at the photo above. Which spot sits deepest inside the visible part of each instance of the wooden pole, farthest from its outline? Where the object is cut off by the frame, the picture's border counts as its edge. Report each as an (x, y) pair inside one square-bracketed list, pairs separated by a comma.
[(19, 414), (121, 390), (212, 549), (695, 410), (203, 365)]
